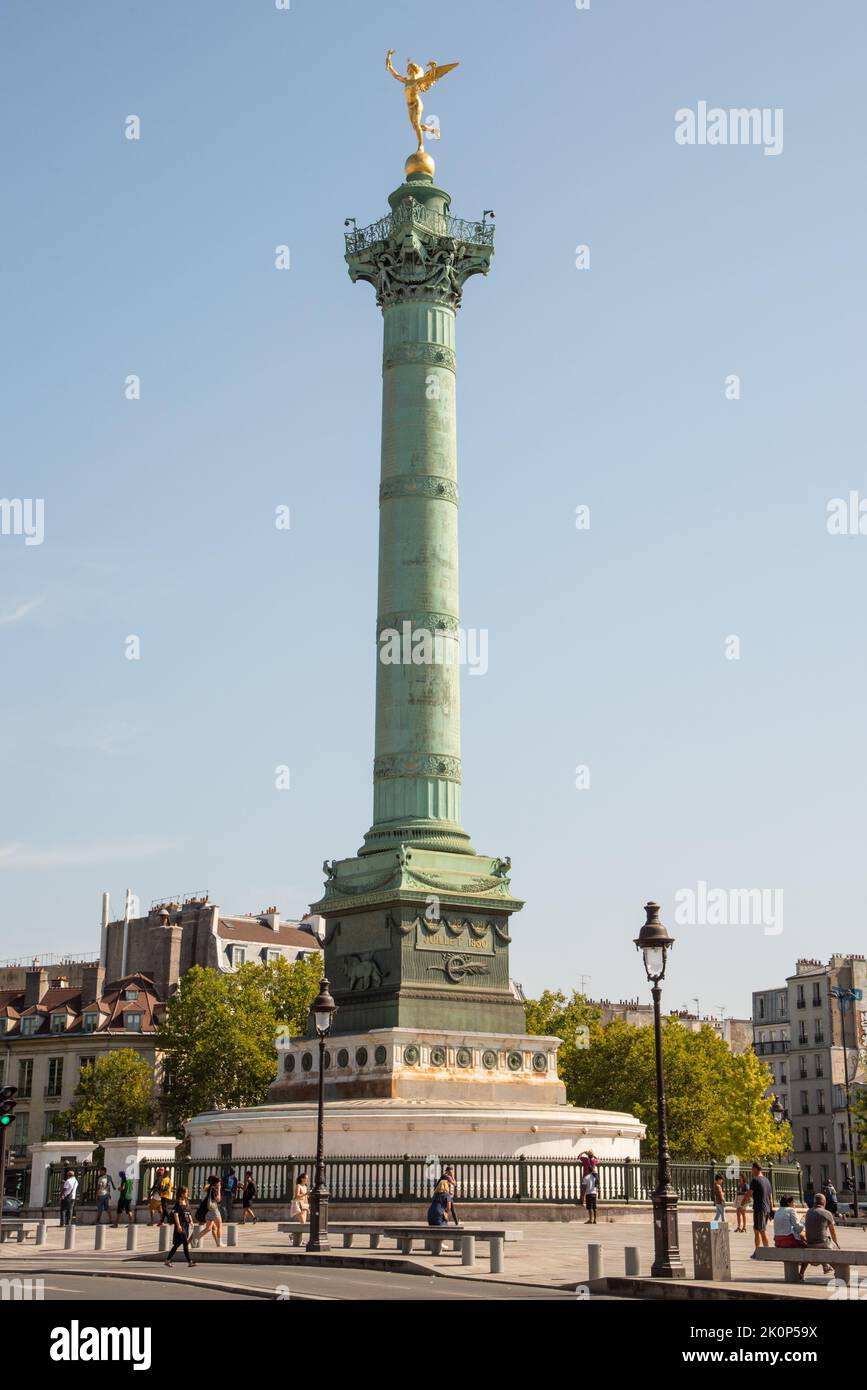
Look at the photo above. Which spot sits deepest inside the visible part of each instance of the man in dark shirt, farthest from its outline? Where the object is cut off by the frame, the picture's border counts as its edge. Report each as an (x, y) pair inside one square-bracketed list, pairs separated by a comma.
[(763, 1205)]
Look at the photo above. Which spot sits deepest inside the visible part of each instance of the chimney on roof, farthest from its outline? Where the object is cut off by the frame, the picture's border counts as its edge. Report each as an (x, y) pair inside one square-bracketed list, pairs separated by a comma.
[(92, 982), (35, 982), (103, 937), (60, 982), (271, 918)]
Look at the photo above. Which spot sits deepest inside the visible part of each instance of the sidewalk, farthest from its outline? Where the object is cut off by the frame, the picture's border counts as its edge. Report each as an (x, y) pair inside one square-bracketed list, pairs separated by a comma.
[(550, 1255)]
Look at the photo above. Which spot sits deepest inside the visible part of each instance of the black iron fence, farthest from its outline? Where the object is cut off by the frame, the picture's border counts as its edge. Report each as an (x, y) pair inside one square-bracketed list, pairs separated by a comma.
[(406, 1179)]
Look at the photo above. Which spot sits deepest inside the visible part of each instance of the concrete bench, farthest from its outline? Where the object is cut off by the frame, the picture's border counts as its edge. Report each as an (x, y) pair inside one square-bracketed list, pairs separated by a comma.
[(462, 1238), (296, 1229), (790, 1259), (21, 1229)]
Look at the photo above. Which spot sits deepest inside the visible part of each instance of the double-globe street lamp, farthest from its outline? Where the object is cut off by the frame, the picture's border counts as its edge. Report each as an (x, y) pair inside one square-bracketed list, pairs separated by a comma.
[(654, 943), (322, 1011)]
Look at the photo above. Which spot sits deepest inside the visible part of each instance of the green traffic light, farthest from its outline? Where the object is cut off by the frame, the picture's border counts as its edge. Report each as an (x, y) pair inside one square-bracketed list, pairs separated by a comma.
[(5, 1120)]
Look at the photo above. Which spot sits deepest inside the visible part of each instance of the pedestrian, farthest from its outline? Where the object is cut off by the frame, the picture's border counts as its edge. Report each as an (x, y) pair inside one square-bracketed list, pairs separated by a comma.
[(248, 1196), (829, 1192), (208, 1213), (819, 1229), (441, 1203), (742, 1203), (809, 1194), (182, 1222), (763, 1205), (155, 1206), (166, 1187), (719, 1198), (68, 1194), (104, 1189), (230, 1190), (451, 1178), (589, 1164), (788, 1229), (590, 1193), (124, 1197), (299, 1207)]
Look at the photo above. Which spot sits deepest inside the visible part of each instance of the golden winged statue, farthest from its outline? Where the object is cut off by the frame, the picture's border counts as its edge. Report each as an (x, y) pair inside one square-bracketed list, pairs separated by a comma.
[(419, 80)]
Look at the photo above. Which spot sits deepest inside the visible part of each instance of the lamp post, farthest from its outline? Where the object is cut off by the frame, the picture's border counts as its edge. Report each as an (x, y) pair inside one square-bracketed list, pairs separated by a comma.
[(323, 1009), (654, 943), (845, 998)]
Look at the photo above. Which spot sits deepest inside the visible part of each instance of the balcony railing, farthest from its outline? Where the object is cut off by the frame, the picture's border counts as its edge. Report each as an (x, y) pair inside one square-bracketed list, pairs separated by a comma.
[(411, 213)]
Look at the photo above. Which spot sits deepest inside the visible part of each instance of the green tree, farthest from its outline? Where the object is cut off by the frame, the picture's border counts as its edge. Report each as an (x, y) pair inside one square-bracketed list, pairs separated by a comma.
[(744, 1125), (714, 1100), (859, 1120), (218, 1039), (556, 1016), (114, 1096), (289, 988)]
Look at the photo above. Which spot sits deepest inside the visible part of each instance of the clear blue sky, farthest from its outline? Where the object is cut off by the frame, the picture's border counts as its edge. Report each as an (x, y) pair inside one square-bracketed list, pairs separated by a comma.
[(603, 387)]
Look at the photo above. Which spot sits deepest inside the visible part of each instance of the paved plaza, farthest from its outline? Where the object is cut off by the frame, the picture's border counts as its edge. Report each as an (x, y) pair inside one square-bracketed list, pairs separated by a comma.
[(549, 1255)]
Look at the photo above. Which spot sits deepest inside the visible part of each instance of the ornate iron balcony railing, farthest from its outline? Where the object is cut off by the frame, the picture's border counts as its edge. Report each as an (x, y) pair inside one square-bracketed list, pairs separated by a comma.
[(413, 214)]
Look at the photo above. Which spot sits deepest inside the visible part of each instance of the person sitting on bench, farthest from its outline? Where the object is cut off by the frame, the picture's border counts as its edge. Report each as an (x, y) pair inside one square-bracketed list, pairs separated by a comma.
[(820, 1230), (788, 1230)]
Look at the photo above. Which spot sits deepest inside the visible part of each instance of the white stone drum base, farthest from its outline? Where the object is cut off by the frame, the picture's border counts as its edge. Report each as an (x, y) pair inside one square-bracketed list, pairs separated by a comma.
[(417, 1128)]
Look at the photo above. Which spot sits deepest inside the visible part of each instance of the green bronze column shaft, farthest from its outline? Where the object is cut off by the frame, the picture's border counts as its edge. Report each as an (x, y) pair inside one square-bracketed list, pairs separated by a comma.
[(418, 259)]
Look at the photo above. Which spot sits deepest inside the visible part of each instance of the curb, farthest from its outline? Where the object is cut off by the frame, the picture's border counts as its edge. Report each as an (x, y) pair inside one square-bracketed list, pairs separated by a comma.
[(249, 1290), (688, 1290), (390, 1264)]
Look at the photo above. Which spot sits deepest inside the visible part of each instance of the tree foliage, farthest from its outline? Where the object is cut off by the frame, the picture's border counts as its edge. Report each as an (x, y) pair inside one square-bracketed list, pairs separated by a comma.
[(715, 1102), (115, 1095), (859, 1119), (218, 1037)]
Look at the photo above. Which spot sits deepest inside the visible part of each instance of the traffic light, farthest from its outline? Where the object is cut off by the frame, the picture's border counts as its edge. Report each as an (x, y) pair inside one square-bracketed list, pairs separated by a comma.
[(7, 1105)]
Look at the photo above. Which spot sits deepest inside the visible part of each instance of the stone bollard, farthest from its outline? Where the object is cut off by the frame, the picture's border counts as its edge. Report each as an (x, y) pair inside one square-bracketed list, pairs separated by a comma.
[(165, 1232), (594, 1253), (196, 1238), (41, 1232), (633, 1268), (232, 1234), (69, 1238), (468, 1250), (496, 1248), (22, 1235), (132, 1237), (99, 1237)]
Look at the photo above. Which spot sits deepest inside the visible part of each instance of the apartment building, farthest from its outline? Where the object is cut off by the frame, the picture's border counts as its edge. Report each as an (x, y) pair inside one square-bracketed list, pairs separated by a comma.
[(49, 1031), (809, 1045)]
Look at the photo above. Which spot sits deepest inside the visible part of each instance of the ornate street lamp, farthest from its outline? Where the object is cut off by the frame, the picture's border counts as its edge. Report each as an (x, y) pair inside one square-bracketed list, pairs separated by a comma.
[(323, 1010), (654, 943), (777, 1112), (845, 999)]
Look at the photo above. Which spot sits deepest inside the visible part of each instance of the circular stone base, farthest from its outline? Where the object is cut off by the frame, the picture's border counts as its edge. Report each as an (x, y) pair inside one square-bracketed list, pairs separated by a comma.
[(418, 1128)]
